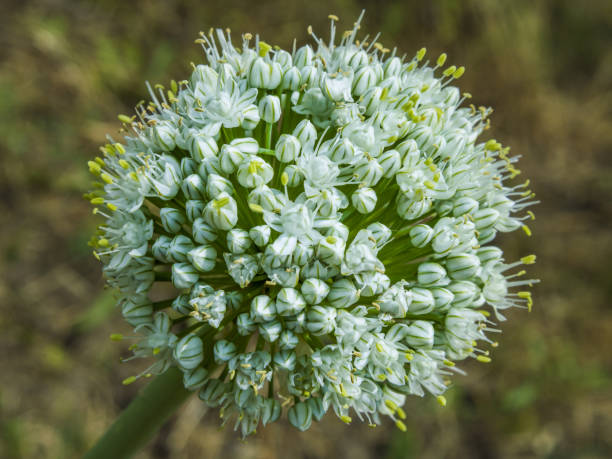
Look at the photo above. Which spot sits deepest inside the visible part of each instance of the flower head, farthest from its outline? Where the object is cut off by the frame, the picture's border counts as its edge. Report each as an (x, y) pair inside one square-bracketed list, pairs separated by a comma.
[(322, 216)]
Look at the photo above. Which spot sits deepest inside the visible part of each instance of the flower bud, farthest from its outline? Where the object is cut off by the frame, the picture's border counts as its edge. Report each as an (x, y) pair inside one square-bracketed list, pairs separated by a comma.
[(485, 219), (292, 79), (342, 293), (194, 209), (266, 75), (172, 219), (181, 304), (302, 254), (392, 66), (189, 351), (193, 187), (442, 298), (263, 308), (260, 235), (195, 378), (221, 213), (431, 274), (213, 392), (287, 148), (300, 416), (369, 172), (365, 78), (489, 254), (253, 172), (238, 240), (250, 118), (331, 250), (464, 292), (288, 340), (321, 320), (364, 200), (462, 266), (188, 166), (164, 135), (245, 324), (306, 133), (270, 331), (202, 232), (270, 109), (337, 88), (342, 151), (303, 56), (203, 258), (271, 411), (215, 185), (420, 334), (137, 311), (390, 162), (422, 301), (289, 302), (184, 275), (160, 248), (314, 290), (202, 147), (224, 351), (285, 360), (230, 157), (179, 246), (465, 205)]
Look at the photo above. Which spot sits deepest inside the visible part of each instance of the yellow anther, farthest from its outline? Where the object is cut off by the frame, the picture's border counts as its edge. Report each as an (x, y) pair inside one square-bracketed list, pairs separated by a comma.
[(531, 214), (116, 337), (449, 363), (459, 72), (528, 260), (97, 201), (401, 413), (100, 161), (379, 347), (441, 60), (103, 242), (129, 380), (111, 206), (408, 356), (119, 148), (125, 119), (309, 30), (527, 230), (123, 163), (94, 167), (421, 54), (483, 359), (107, 178), (492, 145), (256, 208), (264, 48), (156, 351), (381, 377), (441, 400), (333, 17), (400, 425), (449, 71), (346, 419), (284, 178), (391, 405)]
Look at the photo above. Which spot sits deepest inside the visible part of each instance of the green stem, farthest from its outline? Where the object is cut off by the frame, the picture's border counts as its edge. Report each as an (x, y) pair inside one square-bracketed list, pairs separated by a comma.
[(137, 424)]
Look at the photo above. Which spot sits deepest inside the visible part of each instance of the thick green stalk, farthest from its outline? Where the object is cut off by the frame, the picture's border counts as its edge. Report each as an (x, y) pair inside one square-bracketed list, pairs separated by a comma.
[(137, 424)]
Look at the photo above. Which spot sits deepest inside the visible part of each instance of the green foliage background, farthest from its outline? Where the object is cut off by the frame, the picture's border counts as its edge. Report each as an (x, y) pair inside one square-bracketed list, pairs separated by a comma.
[(67, 68)]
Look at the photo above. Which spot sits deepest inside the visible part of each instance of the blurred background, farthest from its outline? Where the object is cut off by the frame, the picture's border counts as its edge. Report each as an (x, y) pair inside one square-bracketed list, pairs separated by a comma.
[(68, 68)]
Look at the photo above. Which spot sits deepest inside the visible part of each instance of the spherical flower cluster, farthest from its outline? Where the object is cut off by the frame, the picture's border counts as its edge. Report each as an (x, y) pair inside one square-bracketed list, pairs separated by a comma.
[(322, 216)]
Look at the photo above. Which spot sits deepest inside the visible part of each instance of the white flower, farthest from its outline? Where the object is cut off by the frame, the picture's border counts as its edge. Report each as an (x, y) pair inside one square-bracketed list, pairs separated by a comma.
[(324, 216)]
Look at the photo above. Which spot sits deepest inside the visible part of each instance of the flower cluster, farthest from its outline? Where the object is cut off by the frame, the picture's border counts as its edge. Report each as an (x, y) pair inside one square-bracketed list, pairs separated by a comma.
[(322, 216)]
